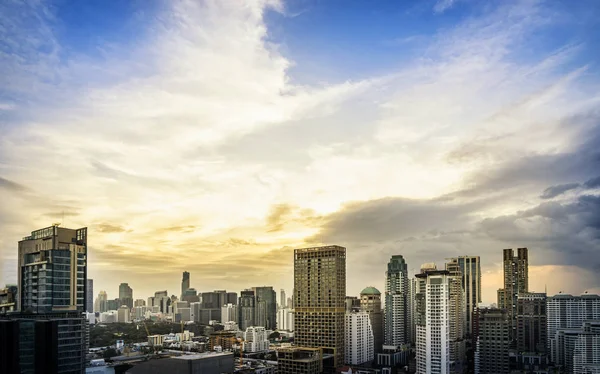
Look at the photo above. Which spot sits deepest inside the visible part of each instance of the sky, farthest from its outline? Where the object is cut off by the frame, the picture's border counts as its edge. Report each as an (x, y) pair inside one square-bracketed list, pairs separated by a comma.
[(216, 136)]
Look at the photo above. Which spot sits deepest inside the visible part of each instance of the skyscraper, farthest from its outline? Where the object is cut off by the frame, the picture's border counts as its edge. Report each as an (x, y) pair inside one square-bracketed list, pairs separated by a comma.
[(266, 307), (52, 289), (185, 283), (432, 319), (101, 302), (247, 309), (282, 298), (492, 353), (397, 327), (89, 296), (125, 295), (532, 329), (370, 302), (53, 270), (470, 272), (516, 281), (319, 294)]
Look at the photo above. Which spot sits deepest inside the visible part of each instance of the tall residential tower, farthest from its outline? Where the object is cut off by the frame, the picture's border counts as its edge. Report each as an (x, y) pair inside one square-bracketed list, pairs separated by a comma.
[(319, 300), (397, 303), (516, 281)]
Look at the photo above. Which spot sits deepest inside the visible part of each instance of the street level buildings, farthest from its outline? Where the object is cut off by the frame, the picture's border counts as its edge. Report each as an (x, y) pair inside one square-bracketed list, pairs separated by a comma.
[(319, 295)]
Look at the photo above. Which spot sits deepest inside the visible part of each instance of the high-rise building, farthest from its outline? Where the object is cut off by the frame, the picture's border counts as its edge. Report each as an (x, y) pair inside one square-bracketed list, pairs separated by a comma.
[(52, 289), (359, 338), (370, 302), (516, 281), (266, 307), (101, 302), (231, 298), (456, 316), (162, 300), (247, 309), (569, 312), (432, 320), (532, 329), (577, 350), (282, 298), (190, 295), (123, 314), (256, 339), (229, 313), (185, 283), (126, 295), (352, 302), (397, 303), (492, 342), (53, 270), (89, 296), (139, 302), (470, 272), (319, 294), (285, 319)]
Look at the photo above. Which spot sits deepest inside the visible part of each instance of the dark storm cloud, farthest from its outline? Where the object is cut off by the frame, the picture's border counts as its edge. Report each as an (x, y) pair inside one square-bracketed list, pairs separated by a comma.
[(560, 189), (12, 186)]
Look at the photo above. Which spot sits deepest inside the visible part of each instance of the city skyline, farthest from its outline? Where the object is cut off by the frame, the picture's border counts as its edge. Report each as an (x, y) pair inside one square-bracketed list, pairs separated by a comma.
[(432, 130)]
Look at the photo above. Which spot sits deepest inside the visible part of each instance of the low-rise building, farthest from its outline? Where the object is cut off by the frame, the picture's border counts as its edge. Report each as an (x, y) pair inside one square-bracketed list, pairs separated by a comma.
[(299, 360), (205, 363), (256, 339)]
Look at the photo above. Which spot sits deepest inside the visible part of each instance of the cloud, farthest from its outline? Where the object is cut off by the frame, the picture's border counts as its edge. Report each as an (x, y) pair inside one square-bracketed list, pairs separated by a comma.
[(442, 5), (593, 183), (194, 147), (12, 186), (560, 189)]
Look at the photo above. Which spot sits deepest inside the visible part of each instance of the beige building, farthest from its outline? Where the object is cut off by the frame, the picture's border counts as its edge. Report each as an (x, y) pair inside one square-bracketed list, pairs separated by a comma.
[(319, 301), (294, 360)]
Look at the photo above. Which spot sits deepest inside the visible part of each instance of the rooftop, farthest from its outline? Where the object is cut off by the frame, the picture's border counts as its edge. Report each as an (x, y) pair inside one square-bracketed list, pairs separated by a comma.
[(370, 291)]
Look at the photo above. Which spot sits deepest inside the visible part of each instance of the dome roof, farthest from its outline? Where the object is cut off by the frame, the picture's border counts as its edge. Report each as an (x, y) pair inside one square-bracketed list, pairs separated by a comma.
[(370, 291)]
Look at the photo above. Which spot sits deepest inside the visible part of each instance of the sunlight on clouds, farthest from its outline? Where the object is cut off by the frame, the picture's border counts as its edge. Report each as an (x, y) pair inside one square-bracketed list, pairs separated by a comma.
[(154, 157)]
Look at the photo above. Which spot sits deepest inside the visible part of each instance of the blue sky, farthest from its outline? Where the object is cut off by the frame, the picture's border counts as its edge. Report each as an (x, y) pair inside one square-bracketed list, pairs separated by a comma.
[(210, 135)]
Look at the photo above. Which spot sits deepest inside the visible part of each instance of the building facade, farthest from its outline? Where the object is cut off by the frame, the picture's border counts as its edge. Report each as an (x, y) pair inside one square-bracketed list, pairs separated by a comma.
[(470, 273), (8, 298), (569, 312), (397, 303), (256, 339), (433, 324), (266, 307), (359, 338), (516, 281), (492, 342), (229, 313), (532, 329), (577, 350), (185, 283), (297, 360), (247, 309), (125, 295), (285, 319), (53, 270), (319, 295), (370, 302), (89, 296)]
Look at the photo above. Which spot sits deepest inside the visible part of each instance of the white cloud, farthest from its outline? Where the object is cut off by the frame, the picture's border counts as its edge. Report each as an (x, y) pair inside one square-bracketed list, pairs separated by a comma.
[(199, 125)]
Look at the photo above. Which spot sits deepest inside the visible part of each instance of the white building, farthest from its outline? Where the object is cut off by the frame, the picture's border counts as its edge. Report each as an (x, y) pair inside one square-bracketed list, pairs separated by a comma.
[(569, 312), (360, 346), (432, 321), (229, 313), (231, 326), (256, 339), (285, 319), (578, 349), (123, 314), (91, 317), (139, 312), (108, 317)]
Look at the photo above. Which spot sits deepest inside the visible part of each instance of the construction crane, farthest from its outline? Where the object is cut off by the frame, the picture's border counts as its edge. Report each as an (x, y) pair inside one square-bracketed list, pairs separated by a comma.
[(238, 340)]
